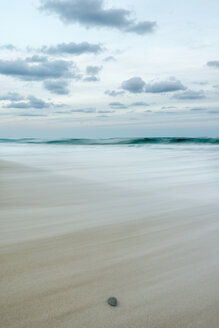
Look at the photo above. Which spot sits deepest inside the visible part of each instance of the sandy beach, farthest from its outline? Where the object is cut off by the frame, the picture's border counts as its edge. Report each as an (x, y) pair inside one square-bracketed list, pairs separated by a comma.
[(70, 241), (109, 164)]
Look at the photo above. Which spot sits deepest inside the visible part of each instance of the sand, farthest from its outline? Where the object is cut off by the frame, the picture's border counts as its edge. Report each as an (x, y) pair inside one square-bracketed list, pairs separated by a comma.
[(68, 244)]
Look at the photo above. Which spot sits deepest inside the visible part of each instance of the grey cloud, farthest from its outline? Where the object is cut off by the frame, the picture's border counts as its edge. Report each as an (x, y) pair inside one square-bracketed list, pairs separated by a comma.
[(93, 70), (59, 87), (142, 28), (12, 96), (213, 111), (168, 107), (213, 63), (36, 59), (197, 109), (91, 13), (139, 104), (164, 112), (84, 110), (137, 85), (117, 105), (164, 86), (134, 85), (201, 82), (114, 93), (8, 47), (190, 94), (73, 48), (32, 115), (102, 116), (105, 111), (109, 58), (38, 103), (31, 102), (91, 79), (25, 69)]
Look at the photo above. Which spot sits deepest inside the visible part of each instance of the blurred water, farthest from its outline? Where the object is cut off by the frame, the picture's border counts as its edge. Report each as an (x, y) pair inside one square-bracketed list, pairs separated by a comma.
[(138, 167), (92, 185)]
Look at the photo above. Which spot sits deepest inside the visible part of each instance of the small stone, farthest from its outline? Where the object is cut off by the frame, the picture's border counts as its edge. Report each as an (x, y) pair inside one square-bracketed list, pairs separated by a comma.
[(112, 301)]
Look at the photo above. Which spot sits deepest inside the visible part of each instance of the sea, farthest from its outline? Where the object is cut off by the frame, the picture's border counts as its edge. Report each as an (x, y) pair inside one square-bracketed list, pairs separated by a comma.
[(139, 163)]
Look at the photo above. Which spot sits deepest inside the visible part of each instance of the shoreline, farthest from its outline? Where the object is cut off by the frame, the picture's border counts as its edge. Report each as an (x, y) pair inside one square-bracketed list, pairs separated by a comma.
[(162, 268)]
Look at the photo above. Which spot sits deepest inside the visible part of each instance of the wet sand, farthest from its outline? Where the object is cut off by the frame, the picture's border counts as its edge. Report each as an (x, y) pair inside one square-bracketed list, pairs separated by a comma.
[(67, 244)]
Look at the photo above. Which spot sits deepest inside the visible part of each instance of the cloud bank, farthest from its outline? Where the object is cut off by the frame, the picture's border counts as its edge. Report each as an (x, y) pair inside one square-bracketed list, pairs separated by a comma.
[(92, 72), (213, 63), (134, 85), (30, 102), (37, 68), (73, 48), (113, 93), (58, 87), (137, 85), (190, 95), (12, 96), (8, 46), (117, 105), (165, 86), (92, 13)]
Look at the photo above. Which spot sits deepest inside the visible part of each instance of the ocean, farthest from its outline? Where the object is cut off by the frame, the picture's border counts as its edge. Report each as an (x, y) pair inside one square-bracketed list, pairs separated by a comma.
[(138, 162), (114, 141)]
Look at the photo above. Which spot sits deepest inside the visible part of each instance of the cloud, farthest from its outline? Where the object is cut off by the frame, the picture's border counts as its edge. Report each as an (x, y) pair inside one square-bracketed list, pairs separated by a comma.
[(59, 87), (117, 105), (134, 85), (30, 69), (213, 111), (164, 86), (36, 59), (190, 95), (142, 28), (114, 93), (32, 115), (31, 102), (139, 104), (197, 109), (8, 47), (91, 13), (162, 112), (105, 111), (137, 85), (103, 116), (12, 96), (91, 79), (201, 82), (93, 70), (168, 107), (73, 48), (84, 110), (213, 63), (109, 58)]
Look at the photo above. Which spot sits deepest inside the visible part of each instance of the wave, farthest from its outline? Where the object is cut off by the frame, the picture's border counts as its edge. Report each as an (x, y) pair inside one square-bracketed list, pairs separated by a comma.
[(114, 141)]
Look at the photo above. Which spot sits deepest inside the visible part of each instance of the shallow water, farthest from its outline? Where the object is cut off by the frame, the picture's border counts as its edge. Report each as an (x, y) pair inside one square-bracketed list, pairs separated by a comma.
[(82, 223), (140, 167)]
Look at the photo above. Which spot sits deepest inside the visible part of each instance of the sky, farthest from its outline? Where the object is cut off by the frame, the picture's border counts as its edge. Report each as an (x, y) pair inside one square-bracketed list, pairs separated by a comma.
[(97, 68)]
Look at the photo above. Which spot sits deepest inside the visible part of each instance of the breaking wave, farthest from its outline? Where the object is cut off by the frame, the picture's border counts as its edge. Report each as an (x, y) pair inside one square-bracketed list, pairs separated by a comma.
[(114, 141)]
